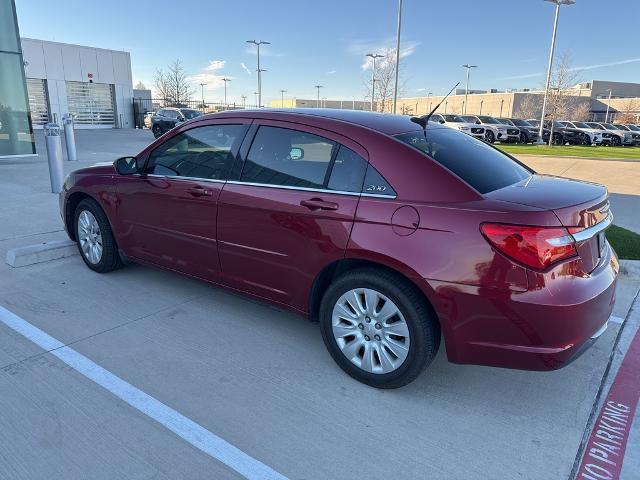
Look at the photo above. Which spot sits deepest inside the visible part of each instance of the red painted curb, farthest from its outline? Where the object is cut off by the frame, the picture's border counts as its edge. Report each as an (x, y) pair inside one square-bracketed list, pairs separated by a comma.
[(604, 452)]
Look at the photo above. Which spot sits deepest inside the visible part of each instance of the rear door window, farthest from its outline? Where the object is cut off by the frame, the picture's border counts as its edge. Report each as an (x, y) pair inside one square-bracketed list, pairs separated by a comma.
[(347, 173), (280, 156), (483, 167)]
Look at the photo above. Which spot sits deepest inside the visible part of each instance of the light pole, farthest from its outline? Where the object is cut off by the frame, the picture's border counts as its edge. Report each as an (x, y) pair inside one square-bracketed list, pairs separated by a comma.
[(481, 102), (553, 47), (466, 90), (395, 85), (282, 92), (202, 89), (606, 117), (257, 43), (373, 76), (501, 103), (256, 94), (318, 100), (225, 80), (244, 101)]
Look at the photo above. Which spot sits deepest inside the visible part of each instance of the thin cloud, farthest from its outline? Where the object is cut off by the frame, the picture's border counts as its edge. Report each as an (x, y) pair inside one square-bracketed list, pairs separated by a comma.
[(577, 69), (331, 72), (215, 65), (245, 68), (362, 47)]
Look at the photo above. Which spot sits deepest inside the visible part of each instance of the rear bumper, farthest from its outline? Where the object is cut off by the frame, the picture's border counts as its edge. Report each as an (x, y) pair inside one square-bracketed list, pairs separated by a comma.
[(544, 328)]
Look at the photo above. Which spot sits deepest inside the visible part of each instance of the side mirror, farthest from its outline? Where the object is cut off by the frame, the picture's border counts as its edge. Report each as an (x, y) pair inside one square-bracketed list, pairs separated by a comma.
[(478, 122), (126, 165), (182, 119), (441, 121), (296, 153)]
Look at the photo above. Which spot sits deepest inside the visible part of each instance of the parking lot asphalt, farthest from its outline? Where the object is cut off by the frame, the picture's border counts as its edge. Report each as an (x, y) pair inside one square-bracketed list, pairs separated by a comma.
[(257, 377)]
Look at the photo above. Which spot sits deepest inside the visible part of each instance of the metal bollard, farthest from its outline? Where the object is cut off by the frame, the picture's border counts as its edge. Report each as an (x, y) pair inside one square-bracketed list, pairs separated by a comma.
[(54, 155), (69, 137)]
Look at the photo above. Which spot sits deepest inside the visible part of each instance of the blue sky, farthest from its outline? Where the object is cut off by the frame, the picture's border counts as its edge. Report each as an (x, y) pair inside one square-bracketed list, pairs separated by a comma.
[(325, 42)]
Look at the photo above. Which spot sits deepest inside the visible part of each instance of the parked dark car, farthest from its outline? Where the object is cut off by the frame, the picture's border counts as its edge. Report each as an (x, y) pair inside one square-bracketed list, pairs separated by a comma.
[(387, 231), (563, 134), (167, 118), (528, 132)]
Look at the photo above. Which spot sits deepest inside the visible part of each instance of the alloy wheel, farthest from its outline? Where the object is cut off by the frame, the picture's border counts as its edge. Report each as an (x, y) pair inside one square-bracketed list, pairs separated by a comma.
[(90, 237), (370, 330)]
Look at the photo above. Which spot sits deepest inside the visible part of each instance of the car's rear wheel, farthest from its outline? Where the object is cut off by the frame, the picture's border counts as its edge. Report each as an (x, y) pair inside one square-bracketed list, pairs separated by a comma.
[(157, 131), (378, 328), (586, 140), (489, 136), (94, 237), (615, 141)]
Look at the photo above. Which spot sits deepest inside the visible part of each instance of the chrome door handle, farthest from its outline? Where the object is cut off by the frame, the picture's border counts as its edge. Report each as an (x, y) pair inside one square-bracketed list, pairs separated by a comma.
[(199, 192), (319, 204)]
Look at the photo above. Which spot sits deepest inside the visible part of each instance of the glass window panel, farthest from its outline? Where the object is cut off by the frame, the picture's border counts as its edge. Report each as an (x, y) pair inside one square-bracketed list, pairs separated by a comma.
[(8, 29), (16, 135)]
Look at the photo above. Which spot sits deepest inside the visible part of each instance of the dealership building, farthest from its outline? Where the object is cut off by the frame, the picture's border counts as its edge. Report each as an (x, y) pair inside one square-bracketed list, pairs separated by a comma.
[(41, 81)]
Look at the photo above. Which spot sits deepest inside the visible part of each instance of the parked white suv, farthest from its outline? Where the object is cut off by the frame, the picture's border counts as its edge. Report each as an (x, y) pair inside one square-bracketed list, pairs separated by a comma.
[(454, 121), (635, 132), (496, 131), (595, 134), (616, 137)]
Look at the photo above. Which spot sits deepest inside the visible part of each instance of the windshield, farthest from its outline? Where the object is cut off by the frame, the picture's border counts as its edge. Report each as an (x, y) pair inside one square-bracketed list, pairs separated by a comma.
[(483, 167), (189, 113), (535, 123), (633, 127), (620, 127), (521, 123), (470, 118), (453, 118), (595, 125), (487, 119), (580, 125), (504, 121), (608, 126)]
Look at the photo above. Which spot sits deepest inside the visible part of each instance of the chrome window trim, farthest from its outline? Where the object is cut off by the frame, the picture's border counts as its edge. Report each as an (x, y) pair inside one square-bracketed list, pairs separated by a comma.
[(178, 177), (592, 231), (307, 189)]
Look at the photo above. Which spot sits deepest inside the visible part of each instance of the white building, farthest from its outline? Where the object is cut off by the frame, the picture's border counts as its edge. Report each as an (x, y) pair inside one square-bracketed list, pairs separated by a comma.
[(94, 84)]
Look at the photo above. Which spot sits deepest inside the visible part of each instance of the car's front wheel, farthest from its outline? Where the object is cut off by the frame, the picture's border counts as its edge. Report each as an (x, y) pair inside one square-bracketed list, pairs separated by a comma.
[(94, 237), (524, 138), (615, 141), (489, 136), (378, 328)]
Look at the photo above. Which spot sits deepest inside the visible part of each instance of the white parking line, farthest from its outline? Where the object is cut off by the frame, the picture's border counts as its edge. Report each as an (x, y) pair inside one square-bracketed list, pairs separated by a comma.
[(185, 428)]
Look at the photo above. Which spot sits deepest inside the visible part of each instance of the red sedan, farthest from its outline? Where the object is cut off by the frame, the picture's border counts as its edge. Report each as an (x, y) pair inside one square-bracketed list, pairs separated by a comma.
[(389, 232)]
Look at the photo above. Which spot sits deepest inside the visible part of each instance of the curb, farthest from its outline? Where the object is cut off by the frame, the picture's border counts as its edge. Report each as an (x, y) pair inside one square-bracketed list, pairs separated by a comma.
[(42, 252)]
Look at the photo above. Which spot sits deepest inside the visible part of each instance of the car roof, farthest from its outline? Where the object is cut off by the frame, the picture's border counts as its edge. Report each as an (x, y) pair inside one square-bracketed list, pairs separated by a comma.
[(381, 122)]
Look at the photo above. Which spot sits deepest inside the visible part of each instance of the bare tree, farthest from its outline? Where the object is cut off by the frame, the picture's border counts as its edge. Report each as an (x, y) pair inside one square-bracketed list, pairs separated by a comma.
[(173, 85), (161, 86), (559, 101), (385, 80), (581, 112), (629, 112), (529, 107), (140, 86)]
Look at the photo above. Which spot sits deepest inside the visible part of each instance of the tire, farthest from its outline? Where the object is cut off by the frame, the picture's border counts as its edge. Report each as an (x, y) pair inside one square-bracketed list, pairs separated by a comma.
[(586, 140), (524, 138), (489, 136), (557, 139), (90, 235), (414, 323), (615, 141), (157, 131)]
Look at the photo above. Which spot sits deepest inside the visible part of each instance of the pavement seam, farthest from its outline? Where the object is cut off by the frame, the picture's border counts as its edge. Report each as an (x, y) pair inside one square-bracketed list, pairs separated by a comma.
[(594, 408), (31, 357), (17, 237)]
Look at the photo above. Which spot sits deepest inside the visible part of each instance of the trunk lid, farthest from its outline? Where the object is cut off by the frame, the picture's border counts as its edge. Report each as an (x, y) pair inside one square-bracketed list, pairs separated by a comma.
[(578, 205)]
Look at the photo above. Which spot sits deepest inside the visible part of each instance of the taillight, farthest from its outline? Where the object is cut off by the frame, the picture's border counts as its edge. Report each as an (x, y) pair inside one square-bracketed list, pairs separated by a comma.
[(536, 247)]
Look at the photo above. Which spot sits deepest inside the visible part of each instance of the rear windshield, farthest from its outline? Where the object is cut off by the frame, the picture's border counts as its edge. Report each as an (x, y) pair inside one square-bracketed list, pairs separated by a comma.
[(189, 113), (483, 167)]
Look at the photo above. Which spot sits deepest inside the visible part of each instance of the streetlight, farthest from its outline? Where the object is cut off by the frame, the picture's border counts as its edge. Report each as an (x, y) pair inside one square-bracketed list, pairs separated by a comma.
[(282, 92), (466, 90), (501, 103), (553, 47), (373, 75), (202, 88), (225, 80), (244, 101), (395, 86), (606, 117), (256, 94), (318, 100), (257, 43)]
